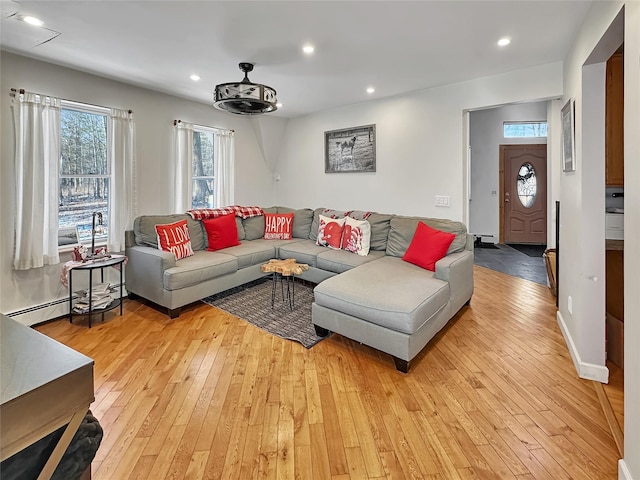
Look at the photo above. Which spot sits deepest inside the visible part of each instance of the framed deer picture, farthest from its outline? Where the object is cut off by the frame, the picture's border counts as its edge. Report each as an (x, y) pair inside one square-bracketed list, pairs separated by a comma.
[(350, 150)]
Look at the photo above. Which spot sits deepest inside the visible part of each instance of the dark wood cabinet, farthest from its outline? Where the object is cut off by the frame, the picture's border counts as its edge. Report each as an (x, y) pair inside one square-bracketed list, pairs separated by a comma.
[(614, 122)]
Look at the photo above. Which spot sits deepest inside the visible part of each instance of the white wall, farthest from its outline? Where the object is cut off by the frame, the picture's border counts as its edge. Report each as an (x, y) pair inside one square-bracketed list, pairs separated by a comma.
[(154, 114), (486, 136), (582, 196), (419, 140), (579, 260), (630, 467)]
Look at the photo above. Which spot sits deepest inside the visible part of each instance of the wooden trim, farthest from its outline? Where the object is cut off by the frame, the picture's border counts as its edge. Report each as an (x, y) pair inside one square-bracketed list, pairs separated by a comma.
[(616, 431), (501, 194)]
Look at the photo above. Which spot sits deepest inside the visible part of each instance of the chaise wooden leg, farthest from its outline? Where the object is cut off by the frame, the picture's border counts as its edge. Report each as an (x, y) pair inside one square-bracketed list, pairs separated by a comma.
[(401, 365), (321, 332), (468, 303), (173, 312)]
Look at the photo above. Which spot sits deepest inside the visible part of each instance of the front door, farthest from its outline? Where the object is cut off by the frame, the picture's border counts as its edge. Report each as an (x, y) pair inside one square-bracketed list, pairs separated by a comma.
[(524, 193)]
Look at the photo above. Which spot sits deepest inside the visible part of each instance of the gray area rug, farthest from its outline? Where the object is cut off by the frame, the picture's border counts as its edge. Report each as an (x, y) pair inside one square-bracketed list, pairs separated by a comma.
[(252, 303)]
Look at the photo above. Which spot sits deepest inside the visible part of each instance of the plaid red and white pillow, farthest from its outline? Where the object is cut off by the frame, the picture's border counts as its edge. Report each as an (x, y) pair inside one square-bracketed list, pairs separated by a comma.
[(237, 210)]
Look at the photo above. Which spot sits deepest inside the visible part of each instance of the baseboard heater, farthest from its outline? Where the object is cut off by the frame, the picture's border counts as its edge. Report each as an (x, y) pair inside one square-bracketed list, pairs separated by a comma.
[(53, 303)]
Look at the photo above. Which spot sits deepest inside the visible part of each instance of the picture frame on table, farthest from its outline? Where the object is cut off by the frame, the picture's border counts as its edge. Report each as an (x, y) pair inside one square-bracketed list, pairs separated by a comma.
[(68, 237), (350, 150), (568, 137)]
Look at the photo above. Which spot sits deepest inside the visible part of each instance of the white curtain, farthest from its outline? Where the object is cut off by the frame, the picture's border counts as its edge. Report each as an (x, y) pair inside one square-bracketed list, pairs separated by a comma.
[(224, 168), (183, 141), (37, 142), (123, 206)]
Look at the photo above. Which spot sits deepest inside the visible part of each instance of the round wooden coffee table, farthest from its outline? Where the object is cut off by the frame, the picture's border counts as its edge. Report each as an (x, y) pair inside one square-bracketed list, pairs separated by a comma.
[(285, 269)]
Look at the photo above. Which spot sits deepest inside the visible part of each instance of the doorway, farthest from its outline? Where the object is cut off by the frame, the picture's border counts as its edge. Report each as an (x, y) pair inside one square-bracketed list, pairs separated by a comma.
[(523, 194)]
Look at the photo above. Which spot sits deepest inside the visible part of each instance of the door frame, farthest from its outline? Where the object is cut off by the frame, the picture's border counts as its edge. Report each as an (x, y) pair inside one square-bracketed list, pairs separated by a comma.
[(501, 186)]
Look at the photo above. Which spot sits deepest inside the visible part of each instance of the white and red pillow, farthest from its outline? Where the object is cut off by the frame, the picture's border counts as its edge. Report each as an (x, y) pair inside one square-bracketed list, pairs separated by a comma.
[(278, 226), (330, 232), (356, 236), (174, 238)]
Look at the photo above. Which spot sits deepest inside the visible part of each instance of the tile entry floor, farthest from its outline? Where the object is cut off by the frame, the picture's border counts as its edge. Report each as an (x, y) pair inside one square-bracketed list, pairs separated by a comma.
[(508, 260)]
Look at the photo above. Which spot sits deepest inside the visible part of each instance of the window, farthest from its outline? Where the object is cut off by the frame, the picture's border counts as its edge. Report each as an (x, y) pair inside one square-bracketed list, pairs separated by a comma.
[(525, 129), (202, 172), (526, 185), (85, 171)]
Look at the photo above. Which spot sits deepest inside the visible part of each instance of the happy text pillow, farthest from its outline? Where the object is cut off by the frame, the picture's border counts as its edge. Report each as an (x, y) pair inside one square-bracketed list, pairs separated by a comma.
[(428, 246), (278, 226)]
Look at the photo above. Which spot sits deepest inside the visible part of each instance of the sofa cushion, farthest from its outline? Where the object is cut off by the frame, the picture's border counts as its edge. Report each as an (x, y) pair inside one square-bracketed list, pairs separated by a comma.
[(380, 226), (339, 261), (302, 219), (254, 226), (200, 267), (222, 232), (240, 228), (387, 292), (174, 238), (278, 226), (304, 251), (252, 252), (315, 224), (428, 246), (402, 230), (145, 231)]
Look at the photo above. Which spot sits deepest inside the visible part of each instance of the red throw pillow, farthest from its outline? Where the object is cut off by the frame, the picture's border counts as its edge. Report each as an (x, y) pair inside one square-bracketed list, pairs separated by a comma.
[(174, 238), (330, 232), (278, 226), (428, 246), (222, 232)]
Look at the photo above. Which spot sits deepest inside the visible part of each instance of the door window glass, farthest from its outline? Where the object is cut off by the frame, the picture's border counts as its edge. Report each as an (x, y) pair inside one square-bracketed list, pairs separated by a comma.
[(526, 185)]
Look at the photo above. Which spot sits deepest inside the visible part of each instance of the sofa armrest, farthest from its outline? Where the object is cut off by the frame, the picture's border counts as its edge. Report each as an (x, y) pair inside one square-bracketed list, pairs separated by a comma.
[(457, 269), (145, 271)]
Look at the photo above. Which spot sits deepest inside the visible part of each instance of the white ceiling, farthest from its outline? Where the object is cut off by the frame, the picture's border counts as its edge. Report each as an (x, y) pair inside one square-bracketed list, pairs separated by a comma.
[(395, 46)]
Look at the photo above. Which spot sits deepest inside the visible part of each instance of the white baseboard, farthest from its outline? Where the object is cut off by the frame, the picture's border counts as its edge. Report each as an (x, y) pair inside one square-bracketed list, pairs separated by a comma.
[(588, 371), (44, 312), (623, 471)]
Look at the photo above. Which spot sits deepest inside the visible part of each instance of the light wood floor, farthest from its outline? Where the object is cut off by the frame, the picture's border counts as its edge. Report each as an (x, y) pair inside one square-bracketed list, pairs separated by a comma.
[(206, 396)]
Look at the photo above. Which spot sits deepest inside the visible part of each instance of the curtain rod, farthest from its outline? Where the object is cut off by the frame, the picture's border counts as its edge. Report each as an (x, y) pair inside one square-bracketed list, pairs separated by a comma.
[(22, 92), (176, 122)]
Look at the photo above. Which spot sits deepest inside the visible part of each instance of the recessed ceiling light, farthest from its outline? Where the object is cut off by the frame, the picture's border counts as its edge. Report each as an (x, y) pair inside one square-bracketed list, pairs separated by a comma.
[(371, 90), (308, 49), (279, 105), (503, 42), (195, 77), (33, 21)]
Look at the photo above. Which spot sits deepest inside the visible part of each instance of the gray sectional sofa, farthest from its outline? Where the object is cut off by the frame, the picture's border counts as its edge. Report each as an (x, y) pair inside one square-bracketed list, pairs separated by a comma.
[(378, 299)]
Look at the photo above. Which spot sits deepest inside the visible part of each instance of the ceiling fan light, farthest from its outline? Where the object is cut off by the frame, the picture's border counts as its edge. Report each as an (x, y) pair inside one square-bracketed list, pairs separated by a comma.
[(245, 97)]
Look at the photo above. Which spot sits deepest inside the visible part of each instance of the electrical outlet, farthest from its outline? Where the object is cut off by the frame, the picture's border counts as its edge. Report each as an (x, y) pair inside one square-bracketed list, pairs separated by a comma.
[(570, 304), (442, 201)]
